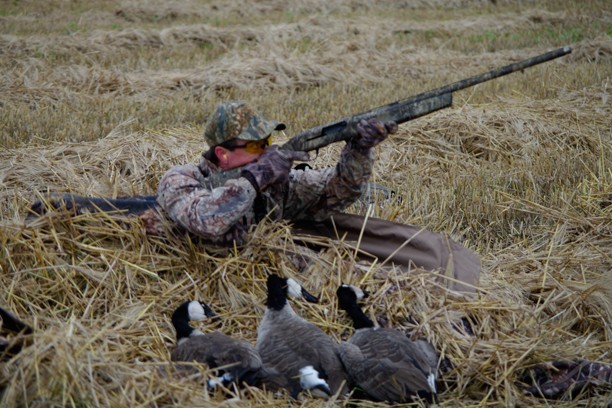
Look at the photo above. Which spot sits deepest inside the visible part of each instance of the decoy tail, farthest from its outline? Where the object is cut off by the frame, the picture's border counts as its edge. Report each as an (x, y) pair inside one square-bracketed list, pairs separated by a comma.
[(310, 380)]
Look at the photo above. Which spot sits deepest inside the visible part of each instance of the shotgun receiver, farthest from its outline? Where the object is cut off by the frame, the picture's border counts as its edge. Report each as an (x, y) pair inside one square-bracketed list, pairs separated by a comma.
[(407, 109)]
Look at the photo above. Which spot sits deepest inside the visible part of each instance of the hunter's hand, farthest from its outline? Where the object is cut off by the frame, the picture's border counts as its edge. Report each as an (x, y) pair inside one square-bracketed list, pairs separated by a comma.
[(371, 132), (272, 167)]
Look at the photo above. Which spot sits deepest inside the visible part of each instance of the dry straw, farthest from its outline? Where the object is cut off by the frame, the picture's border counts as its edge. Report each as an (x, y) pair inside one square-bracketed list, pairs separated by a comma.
[(518, 170)]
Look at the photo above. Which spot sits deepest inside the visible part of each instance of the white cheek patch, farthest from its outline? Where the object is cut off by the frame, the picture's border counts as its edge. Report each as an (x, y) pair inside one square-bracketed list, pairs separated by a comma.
[(196, 311), (358, 292), (294, 288)]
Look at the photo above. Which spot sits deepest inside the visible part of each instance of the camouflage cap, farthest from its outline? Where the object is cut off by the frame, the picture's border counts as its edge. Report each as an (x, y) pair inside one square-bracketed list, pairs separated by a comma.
[(237, 120)]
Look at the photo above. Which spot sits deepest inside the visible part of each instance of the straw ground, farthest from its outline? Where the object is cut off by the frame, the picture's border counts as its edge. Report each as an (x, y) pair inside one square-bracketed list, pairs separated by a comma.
[(101, 100)]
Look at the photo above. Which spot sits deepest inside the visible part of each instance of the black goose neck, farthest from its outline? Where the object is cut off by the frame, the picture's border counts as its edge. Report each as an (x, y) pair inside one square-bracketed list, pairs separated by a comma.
[(277, 293), (180, 321), (360, 319), (183, 330)]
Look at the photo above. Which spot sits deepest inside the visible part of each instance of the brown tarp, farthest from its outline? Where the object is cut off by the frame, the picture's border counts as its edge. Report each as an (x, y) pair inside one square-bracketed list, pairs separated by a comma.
[(404, 245)]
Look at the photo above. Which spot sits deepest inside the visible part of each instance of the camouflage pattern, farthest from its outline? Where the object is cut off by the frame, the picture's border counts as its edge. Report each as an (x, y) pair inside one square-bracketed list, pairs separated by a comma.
[(237, 119), (221, 206)]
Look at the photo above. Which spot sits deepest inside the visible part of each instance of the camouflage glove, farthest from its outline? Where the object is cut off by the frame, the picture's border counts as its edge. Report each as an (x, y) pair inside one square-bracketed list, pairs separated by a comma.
[(371, 132), (272, 167)]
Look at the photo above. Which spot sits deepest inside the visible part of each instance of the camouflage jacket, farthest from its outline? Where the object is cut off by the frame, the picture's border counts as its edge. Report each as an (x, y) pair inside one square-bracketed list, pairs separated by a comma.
[(220, 206)]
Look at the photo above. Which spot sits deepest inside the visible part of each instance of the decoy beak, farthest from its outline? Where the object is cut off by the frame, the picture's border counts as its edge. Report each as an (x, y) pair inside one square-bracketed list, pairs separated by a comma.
[(210, 313), (321, 391), (309, 297)]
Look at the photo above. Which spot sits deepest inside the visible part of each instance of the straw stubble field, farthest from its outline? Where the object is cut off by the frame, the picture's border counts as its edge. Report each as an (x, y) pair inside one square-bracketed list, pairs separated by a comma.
[(101, 99)]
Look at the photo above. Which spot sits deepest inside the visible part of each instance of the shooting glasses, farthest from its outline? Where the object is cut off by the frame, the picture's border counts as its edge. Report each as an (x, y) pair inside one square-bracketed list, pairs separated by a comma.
[(253, 146)]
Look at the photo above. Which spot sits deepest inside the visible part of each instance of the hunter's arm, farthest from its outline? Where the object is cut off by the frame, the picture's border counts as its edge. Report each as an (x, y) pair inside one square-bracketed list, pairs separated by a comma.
[(207, 213), (316, 194), (352, 173)]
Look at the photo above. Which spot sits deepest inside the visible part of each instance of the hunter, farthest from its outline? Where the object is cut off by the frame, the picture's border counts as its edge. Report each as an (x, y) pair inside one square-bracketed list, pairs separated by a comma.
[(243, 178)]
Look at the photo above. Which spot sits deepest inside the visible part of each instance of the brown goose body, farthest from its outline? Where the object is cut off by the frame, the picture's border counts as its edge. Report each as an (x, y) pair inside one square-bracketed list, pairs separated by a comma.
[(383, 362), (299, 350), (237, 360), (387, 365)]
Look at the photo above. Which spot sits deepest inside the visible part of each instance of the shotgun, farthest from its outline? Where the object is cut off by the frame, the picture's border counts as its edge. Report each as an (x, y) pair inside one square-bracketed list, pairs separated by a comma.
[(320, 136)]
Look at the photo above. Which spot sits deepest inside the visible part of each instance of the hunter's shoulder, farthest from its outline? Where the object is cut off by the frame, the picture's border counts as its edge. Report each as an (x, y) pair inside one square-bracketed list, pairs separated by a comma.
[(182, 170), (184, 173)]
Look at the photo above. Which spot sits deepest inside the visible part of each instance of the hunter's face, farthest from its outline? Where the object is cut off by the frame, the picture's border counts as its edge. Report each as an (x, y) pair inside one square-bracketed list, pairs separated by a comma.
[(241, 152)]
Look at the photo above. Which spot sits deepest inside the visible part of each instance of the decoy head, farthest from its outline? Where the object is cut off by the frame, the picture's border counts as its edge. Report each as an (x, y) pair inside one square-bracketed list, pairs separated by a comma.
[(191, 310), (349, 295), (280, 288), (199, 311)]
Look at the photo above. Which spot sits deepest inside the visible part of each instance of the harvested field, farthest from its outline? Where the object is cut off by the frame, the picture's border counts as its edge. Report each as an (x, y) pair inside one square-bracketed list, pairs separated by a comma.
[(102, 99)]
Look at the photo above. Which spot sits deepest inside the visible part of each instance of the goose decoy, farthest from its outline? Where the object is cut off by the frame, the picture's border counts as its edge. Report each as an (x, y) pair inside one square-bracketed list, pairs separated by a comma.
[(236, 360), (11, 324), (383, 362), (296, 348)]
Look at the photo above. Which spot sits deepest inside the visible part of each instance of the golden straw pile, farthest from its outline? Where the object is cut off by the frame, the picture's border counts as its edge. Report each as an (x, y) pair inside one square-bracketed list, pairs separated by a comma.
[(102, 100)]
